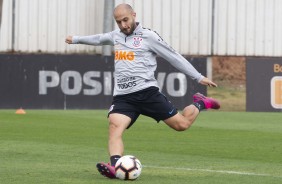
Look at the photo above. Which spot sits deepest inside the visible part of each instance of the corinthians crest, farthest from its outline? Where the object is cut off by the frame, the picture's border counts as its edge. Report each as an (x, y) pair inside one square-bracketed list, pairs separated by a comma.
[(137, 41)]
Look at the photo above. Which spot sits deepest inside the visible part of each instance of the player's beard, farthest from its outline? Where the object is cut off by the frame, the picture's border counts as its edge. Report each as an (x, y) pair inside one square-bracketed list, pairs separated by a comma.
[(129, 31)]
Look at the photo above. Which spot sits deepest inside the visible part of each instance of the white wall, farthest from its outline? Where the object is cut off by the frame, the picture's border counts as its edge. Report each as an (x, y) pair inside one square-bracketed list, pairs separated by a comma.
[(42, 25), (185, 24), (6, 26), (241, 27), (248, 27)]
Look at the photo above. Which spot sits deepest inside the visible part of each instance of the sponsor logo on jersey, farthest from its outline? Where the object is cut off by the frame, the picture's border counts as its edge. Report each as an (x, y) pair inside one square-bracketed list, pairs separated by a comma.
[(137, 41), (124, 55), (127, 82)]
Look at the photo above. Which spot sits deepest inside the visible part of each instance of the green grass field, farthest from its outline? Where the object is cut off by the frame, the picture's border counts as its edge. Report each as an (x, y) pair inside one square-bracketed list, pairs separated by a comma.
[(64, 146)]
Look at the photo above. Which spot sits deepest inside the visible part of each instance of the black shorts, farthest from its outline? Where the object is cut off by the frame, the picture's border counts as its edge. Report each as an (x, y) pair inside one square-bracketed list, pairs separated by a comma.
[(149, 102)]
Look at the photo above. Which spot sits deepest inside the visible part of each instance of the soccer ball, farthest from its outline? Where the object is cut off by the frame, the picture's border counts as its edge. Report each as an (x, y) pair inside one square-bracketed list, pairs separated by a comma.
[(128, 167)]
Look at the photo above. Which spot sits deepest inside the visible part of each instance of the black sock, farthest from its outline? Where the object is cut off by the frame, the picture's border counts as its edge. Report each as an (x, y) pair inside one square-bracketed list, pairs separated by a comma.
[(200, 105), (114, 159)]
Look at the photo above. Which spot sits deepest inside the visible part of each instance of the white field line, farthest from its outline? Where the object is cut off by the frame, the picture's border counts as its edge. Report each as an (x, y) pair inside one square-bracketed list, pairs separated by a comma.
[(212, 171)]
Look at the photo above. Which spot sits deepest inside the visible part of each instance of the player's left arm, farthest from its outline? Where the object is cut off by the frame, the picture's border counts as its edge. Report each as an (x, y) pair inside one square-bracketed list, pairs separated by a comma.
[(207, 82), (162, 49)]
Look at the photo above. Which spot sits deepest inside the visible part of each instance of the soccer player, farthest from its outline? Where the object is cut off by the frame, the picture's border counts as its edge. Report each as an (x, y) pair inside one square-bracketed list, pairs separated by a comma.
[(136, 89)]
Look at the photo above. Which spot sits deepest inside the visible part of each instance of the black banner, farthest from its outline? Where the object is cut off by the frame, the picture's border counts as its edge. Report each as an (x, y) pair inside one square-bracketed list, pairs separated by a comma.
[(80, 81), (264, 84)]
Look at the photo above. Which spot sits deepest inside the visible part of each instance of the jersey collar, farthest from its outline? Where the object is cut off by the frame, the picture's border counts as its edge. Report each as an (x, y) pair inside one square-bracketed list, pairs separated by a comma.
[(138, 28)]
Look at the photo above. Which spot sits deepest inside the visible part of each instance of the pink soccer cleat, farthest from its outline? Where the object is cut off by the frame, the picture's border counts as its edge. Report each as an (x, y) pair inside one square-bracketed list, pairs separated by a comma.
[(210, 103), (106, 170)]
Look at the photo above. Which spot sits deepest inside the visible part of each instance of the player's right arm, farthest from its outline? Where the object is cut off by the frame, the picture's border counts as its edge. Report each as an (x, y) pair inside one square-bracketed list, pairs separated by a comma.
[(98, 39)]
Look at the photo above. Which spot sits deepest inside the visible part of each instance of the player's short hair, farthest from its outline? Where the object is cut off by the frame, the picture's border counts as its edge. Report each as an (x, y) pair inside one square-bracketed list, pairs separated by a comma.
[(126, 6)]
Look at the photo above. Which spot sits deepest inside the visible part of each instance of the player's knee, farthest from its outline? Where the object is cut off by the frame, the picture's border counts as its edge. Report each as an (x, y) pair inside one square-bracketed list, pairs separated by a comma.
[(182, 126), (178, 123), (114, 124)]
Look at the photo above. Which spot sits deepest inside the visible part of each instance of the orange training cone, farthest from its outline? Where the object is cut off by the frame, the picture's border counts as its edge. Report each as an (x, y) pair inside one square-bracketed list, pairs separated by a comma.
[(20, 111)]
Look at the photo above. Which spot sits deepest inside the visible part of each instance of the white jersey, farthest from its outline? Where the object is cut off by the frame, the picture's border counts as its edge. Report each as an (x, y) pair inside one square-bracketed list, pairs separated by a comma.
[(135, 58)]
